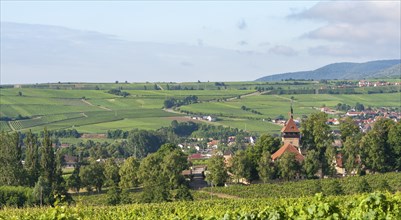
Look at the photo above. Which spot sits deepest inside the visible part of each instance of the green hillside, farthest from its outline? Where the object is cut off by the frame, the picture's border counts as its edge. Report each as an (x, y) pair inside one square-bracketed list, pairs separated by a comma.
[(372, 69), (96, 111)]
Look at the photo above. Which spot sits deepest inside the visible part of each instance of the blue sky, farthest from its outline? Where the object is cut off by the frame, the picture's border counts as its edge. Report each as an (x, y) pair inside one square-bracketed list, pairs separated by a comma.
[(291, 35)]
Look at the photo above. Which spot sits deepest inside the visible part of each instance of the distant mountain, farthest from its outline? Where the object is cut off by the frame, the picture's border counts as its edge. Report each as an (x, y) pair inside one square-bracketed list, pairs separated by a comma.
[(372, 69)]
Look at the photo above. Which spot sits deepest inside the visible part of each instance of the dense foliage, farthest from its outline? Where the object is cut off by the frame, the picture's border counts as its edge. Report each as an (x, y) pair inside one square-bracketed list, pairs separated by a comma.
[(349, 185), (372, 206)]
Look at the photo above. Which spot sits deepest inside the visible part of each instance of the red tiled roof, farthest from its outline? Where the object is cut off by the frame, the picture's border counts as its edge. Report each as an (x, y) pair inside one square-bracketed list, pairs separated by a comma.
[(290, 126), (288, 148), (195, 156)]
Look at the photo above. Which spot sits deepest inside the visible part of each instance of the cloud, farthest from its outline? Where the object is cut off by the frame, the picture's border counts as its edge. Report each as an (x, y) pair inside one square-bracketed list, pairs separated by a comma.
[(241, 24), (242, 43), (186, 64), (264, 44), (283, 50), (369, 28), (200, 42)]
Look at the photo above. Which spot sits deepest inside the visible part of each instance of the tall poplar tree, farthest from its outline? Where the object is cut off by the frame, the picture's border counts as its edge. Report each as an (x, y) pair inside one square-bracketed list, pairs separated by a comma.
[(32, 165), (11, 170)]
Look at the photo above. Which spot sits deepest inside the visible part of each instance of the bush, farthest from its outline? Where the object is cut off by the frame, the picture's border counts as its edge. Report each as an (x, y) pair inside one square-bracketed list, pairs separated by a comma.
[(16, 196)]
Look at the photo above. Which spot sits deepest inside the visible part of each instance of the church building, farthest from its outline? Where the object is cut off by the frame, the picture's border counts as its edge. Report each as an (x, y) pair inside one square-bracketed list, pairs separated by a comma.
[(291, 137)]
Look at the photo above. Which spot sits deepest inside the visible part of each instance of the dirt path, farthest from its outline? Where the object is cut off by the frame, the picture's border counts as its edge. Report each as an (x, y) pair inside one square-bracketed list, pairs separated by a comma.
[(246, 95), (159, 86), (99, 106), (172, 111), (11, 126)]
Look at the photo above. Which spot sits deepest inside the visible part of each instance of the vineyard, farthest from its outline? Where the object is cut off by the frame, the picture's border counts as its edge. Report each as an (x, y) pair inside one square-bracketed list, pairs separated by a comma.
[(348, 185), (4, 126), (362, 206)]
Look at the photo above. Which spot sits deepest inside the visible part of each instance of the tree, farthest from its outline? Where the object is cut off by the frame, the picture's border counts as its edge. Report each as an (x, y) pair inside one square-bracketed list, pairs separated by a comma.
[(59, 189), (41, 192), (241, 166), (11, 169), (92, 176), (47, 159), (216, 171), (173, 164), (129, 173), (311, 164), (183, 194), (266, 168), (155, 182), (348, 128), (32, 165), (317, 136), (111, 173), (142, 142), (267, 143), (74, 181), (288, 166), (394, 140), (351, 153), (377, 152), (113, 196), (359, 107)]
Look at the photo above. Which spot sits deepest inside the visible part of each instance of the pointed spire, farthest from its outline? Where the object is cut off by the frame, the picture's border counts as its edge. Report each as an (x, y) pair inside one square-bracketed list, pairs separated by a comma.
[(292, 110)]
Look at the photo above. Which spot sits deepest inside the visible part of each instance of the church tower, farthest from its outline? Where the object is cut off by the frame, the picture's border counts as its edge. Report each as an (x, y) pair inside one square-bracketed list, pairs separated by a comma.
[(290, 133)]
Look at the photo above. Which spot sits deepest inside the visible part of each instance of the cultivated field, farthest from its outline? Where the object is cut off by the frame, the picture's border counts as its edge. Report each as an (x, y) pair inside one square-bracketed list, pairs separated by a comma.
[(90, 109)]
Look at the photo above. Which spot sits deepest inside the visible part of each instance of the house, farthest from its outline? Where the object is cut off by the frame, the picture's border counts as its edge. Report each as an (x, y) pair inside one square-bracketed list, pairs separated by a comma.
[(340, 169), (70, 161), (195, 157), (213, 144), (290, 133), (287, 147), (210, 118), (291, 136), (354, 114)]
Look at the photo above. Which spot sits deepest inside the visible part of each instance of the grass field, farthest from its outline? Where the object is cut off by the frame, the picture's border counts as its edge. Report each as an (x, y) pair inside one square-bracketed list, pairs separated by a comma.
[(96, 111)]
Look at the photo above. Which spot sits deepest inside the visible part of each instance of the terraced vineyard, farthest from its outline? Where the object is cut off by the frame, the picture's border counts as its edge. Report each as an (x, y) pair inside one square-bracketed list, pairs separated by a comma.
[(87, 109), (44, 120), (4, 126)]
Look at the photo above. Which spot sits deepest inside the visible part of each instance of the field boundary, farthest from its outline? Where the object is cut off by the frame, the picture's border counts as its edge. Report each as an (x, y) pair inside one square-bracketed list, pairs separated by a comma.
[(11, 126)]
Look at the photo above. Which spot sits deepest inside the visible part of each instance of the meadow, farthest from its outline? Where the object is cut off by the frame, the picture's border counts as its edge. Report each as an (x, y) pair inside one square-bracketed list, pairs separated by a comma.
[(88, 107)]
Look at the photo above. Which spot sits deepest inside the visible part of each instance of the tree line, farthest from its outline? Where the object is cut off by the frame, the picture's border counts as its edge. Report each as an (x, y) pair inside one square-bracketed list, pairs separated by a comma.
[(378, 150)]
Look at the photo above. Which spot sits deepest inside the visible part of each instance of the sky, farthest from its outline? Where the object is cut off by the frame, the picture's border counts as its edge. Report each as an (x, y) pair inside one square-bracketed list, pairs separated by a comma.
[(286, 35)]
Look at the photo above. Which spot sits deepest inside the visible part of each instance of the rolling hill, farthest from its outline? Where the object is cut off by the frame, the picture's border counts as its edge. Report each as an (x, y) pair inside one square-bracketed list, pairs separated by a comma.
[(372, 69)]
